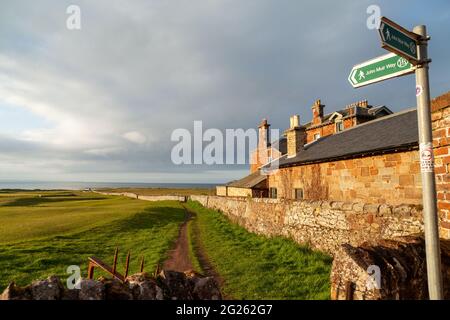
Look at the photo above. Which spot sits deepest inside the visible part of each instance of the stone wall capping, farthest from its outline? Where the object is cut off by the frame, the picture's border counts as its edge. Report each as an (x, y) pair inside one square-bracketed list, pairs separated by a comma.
[(325, 205), (337, 204), (416, 211), (324, 224), (403, 210), (347, 206), (358, 207), (316, 204), (385, 210), (371, 208)]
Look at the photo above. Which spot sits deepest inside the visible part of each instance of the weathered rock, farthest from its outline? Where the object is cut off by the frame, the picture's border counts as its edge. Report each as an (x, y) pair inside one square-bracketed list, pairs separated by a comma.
[(167, 285), (192, 274), (13, 292), (49, 289), (71, 294), (116, 290), (143, 287), (400, 266), (203, 288), (175, 285), (92, 290), (206, 289)]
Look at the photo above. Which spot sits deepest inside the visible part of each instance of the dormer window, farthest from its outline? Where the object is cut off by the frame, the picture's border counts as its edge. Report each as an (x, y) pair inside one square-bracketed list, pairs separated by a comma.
[(339, 126)]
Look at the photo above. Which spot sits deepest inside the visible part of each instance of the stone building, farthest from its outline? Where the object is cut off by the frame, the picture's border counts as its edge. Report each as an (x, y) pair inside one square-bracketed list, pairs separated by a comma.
[(266, 151), (320, 126), (253, 185), (352, 115), (358, 154), (374, 162)]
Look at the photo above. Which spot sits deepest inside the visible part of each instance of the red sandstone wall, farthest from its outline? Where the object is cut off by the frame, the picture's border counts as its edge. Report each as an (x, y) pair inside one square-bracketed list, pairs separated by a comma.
[(328, 129), (391, 178), (441, 143)]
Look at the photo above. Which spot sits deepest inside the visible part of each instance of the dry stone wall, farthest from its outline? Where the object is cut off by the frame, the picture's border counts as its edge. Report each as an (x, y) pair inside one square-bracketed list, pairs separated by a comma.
[(397, 270), (145, 198), (324, 225), (167, 285)]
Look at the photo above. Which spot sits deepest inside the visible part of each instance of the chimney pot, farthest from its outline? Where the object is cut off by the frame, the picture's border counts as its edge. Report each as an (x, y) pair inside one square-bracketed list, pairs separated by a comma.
[(263, 134), (296, 136), (317, 112), (295, 121), (263, 123)]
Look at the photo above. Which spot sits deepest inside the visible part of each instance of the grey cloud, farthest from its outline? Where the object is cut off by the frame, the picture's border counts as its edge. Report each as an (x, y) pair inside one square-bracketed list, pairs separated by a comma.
[(153, 66)]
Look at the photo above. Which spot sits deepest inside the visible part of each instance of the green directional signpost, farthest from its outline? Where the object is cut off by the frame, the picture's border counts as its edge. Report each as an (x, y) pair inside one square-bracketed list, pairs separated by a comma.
[(385, 67), (409, 53), (399, 40)]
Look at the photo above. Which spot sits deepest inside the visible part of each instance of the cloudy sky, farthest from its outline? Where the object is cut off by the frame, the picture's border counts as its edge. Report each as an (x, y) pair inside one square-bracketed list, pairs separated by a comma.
[(100, 103)]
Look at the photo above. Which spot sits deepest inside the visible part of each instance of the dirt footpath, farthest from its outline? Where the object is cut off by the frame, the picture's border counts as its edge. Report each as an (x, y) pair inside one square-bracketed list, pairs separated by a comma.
[(179, 259)]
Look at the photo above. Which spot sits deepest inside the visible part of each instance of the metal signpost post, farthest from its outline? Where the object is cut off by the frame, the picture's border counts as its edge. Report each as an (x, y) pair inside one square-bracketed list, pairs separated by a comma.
[(430, 218), (411, 46)]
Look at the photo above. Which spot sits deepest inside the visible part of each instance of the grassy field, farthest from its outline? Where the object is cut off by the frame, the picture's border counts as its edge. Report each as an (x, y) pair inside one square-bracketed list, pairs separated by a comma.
[(255, 267), (162, 191), (42, 233)]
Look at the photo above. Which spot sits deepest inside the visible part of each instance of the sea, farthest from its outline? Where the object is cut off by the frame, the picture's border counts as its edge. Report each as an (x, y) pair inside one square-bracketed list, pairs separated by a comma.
[(71, 185)]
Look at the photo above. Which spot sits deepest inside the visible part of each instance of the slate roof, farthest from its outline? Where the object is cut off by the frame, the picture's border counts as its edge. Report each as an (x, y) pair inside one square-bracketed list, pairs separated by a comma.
[(249, 181), (388, 133), (376, 110), (280, 145)]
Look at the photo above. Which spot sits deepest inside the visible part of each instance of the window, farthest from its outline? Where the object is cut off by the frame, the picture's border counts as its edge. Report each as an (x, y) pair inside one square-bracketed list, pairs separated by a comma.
[(273, 193), (298, 194), (339, 126), (316, 136)]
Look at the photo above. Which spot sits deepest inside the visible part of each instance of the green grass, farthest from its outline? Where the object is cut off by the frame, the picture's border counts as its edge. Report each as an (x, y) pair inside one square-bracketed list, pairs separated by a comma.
[(43, 235), (256, 267), (31, 215)]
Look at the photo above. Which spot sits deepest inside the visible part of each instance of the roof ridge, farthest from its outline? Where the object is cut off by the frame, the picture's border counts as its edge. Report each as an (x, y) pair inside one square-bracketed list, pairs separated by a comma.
[(373, 121)]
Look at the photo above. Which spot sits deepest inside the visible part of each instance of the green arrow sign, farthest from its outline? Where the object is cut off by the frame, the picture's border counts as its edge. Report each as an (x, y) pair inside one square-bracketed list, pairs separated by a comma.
[(382, 68), (399, 40)]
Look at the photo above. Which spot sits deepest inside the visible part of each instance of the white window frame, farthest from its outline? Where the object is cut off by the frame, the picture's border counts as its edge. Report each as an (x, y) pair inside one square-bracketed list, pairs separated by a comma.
[(339, 123)]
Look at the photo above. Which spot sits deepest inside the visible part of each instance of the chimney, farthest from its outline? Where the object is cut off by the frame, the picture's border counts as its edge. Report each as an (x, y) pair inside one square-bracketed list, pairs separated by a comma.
[(317, 109), (263, 134), (364, 103), (296, 136), (361, 104)]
